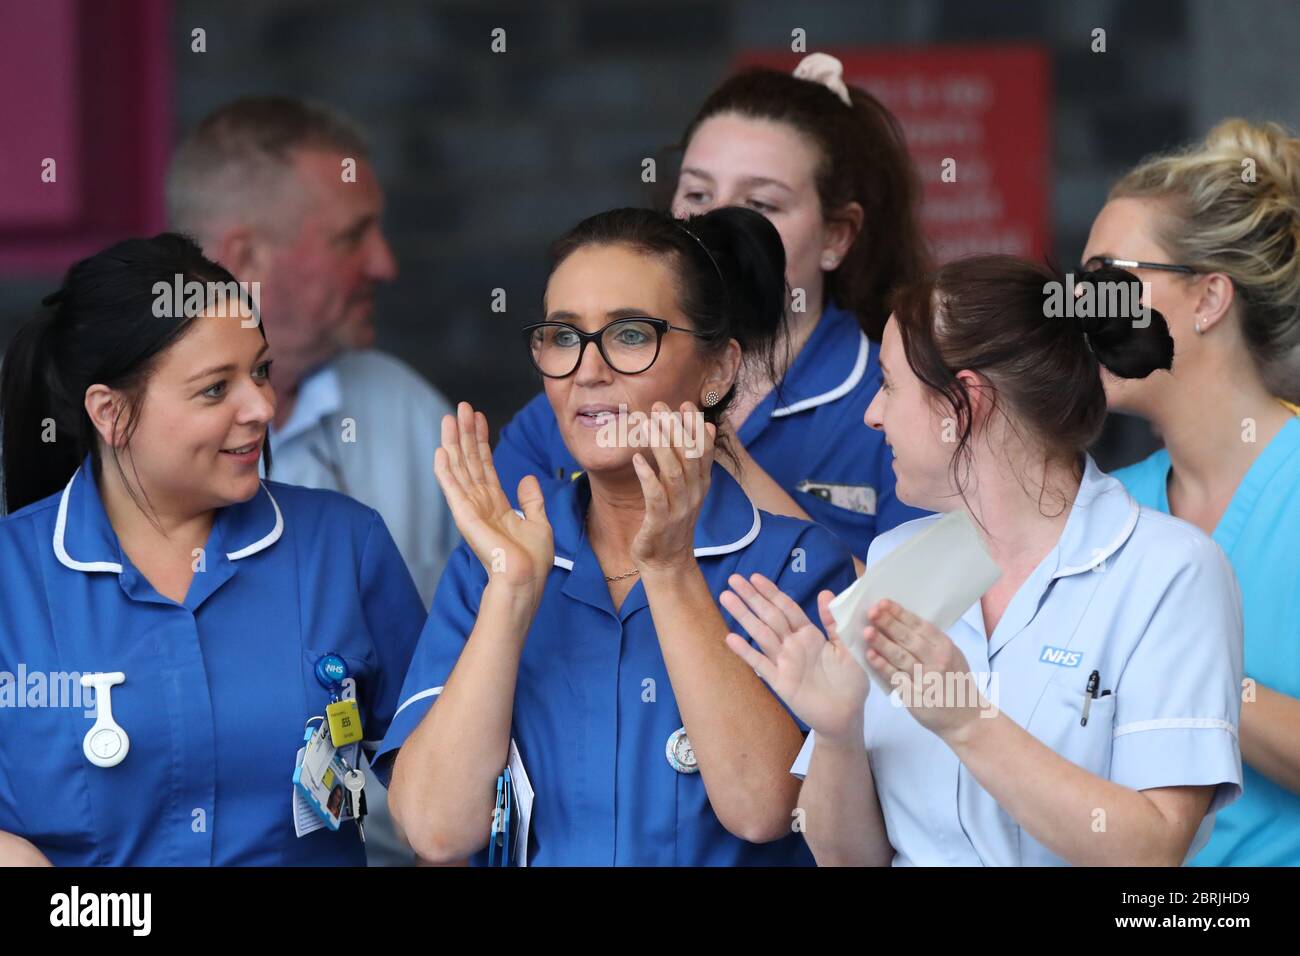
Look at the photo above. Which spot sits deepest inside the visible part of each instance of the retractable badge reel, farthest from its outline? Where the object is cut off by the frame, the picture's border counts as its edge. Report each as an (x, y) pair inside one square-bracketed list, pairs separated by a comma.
[(342, 714), (105, 744)]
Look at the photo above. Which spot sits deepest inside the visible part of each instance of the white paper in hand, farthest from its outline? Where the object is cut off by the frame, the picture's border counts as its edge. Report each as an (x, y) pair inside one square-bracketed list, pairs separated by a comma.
[(937, 575)]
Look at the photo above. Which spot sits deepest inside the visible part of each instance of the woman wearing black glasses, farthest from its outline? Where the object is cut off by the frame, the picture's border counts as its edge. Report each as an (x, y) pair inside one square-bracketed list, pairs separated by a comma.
[(827, 165), (1215, 230), (582, 639)]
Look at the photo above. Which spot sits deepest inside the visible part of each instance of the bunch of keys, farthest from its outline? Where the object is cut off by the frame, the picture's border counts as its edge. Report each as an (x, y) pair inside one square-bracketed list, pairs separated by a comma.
[(354, 781)]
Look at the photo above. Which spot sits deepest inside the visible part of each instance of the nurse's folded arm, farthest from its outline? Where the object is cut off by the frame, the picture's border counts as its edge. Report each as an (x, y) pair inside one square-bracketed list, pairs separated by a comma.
[(443, 782), (742, 736), (826, 688)]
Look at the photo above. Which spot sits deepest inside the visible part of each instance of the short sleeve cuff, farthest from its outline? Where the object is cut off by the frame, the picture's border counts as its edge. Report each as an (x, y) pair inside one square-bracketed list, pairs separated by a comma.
[(1179, 752), (409, 714)]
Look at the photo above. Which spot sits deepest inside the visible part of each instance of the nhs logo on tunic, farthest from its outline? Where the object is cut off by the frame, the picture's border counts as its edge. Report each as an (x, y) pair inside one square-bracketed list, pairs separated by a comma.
[(1060, 656)]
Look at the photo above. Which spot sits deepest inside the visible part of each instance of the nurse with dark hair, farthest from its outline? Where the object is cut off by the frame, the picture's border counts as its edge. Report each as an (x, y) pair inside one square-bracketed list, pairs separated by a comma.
[(827, 165), (143, 553), (584, 633)]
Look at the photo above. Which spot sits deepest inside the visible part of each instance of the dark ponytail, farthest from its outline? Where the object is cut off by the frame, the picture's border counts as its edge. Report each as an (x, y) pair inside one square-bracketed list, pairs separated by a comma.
[(1018, 324), (730, 268), (102, 328), (30, 393)]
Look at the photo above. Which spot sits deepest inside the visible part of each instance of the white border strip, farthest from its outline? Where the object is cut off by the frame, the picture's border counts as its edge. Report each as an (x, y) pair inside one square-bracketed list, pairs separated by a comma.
[(1176, 723), (846, 386)]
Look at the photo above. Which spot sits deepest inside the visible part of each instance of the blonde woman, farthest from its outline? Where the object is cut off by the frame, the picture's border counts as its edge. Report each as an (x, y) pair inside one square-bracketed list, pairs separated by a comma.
[(1215, 230)]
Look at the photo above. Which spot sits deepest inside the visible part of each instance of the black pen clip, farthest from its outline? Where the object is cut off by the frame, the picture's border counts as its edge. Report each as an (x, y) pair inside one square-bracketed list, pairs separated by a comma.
[(1089, 695)]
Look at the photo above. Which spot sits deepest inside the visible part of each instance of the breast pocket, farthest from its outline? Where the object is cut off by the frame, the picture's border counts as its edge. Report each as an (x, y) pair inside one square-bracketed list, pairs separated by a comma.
[(1057, 722)]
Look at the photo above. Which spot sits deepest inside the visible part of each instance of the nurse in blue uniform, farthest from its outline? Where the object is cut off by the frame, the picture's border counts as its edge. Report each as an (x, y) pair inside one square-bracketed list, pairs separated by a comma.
[(1222, 255), (827, 165), (584, 629), (142, 551), (1085, 709)]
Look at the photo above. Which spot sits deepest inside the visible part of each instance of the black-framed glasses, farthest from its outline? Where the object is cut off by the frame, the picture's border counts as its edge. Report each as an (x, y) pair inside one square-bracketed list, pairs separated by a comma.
[(629, 346), (1104, 262)]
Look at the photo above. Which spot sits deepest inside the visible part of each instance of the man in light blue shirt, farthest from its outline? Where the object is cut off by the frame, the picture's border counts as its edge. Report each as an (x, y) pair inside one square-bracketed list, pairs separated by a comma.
[(282, 193)]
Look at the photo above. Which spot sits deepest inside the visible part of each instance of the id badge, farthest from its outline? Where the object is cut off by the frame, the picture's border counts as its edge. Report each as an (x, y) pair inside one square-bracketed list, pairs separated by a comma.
[(319, 777)]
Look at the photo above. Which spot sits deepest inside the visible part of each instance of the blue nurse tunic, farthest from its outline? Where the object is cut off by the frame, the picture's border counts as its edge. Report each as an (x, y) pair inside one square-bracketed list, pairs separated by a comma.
[(218, 688), (593, 706)]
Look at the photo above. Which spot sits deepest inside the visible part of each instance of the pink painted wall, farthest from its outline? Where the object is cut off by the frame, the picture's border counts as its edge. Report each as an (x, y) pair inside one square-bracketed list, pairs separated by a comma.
[(87, 84)]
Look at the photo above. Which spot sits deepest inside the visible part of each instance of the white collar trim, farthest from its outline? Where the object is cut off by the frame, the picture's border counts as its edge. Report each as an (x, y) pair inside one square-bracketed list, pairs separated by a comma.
[(61, 524), (839, 391)]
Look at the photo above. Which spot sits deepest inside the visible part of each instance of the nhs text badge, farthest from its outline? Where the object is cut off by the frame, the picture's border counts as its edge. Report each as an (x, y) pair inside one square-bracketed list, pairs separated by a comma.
[(1060, 656)]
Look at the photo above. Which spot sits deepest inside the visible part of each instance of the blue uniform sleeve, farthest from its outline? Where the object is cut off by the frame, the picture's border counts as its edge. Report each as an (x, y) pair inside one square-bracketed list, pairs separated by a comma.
[(450, 621), (393, 612), (1177, 700)]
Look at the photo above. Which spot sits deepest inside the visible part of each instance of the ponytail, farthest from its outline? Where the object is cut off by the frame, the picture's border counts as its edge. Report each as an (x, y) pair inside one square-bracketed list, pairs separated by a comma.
[(40, 449)]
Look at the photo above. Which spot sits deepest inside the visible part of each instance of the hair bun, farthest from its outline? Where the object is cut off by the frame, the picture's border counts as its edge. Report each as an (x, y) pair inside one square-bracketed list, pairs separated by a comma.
[(1131, 341)]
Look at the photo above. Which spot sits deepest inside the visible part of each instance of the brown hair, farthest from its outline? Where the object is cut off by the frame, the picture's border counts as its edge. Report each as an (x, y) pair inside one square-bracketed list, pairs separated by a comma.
[(993, 315), (864, 159)]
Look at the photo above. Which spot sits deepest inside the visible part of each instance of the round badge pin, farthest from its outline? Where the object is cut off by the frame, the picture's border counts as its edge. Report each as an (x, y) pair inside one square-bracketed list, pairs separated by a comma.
[(680, 753), (331, 671)]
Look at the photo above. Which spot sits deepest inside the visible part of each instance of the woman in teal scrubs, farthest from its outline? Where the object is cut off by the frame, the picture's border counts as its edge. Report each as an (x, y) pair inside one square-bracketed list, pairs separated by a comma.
[(1215, 230)]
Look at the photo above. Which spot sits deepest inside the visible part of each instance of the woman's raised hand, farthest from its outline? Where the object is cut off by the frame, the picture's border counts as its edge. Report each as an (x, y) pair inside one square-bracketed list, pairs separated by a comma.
[(814, 675), (516, 551), (675, 492)]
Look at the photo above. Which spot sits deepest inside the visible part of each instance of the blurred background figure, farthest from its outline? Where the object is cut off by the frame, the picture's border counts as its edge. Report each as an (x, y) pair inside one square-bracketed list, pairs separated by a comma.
[(282, 193)]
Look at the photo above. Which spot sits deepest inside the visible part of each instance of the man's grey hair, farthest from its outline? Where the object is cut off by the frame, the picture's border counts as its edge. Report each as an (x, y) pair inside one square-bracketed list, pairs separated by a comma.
[(235, 161)]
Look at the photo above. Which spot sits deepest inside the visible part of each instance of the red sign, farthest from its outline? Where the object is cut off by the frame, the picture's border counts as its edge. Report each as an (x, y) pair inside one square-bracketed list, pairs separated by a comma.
[(976, 122)]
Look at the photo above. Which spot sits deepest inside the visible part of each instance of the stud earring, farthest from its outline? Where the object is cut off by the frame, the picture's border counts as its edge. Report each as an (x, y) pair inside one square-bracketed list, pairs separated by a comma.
[(711, 398), (1197, 327), (828, 263)]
